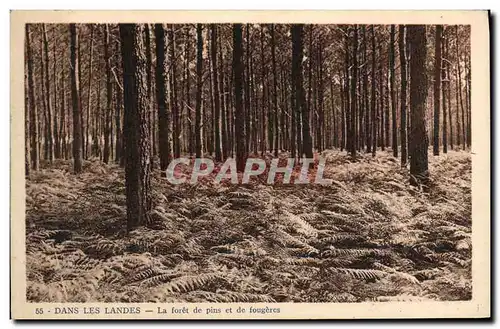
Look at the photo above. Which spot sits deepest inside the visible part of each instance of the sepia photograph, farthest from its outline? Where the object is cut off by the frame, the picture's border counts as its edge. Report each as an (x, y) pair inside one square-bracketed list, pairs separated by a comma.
[(248, 162)]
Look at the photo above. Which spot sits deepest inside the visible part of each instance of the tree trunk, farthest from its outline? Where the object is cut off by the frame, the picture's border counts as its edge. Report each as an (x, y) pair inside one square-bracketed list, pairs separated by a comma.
[(80, 104), (247, 95), (418, 95), (275, 91), (218, 153), (75, 99), (368, 140), (57, 140), (444, 82), (402, 59), (393, 96), (459, 79), (199, 87), (354, 115), (149, 80), (437, 87), (299, 94), (374, 118), (238, 89), (225, 151), (161, 99), (89, 94), (321, 115), (49, 123), (264, 94), (173, 94), (33, 113), (136, 132), (109, 98), (346, 116)]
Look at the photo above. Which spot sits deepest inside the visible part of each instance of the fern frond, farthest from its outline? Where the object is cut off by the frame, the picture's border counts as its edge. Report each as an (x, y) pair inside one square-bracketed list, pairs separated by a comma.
[(189, 282), (360, 274)]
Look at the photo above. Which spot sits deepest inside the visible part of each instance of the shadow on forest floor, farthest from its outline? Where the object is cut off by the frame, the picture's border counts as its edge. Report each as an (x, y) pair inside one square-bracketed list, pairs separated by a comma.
[(369, 236)]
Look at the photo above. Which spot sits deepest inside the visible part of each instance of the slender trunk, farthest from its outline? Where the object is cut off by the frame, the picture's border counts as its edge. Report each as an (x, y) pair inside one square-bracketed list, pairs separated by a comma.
[(161, 99), (368, 140), (238, 89), (353, 93), (459, 79), (33, 111), (225, 151), (374, 117), (57, 141), (199, 87), (109, 98), (149, 88), (299, 94), (75, 98), (49, 123), (444, 82), (437, 86), (80, 96), (218, 154), (275, 91), (402, 59), (89, 93), (393, 96), (173, 94)]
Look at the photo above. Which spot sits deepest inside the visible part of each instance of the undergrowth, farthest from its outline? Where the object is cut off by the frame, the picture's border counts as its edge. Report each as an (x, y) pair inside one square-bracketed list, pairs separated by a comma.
[(369, 236)]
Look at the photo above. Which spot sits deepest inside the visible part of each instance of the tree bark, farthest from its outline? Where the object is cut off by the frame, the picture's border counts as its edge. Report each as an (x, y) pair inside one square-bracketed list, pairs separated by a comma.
[(418, 95), (275, 91), (218, 153), (354, 114), (109, 98), (459, 79), (444, 82), (75, 98), (161, 99), (393, 95), (199, 87), (402, 59), (297, 80), (136, 130), (374, 118), (49, 123), (238, 89), (437, 86), (32, 109)]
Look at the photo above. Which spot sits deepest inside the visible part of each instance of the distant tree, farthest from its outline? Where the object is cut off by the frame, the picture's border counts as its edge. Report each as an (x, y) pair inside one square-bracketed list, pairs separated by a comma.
[(75, 99)]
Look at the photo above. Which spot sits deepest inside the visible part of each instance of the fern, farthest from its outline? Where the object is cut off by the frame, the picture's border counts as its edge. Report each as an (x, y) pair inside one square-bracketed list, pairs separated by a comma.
[(360, 273), (189, 282)]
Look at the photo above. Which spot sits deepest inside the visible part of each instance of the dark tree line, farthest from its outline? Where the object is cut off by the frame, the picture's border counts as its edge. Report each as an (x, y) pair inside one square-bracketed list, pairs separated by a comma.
[(140, 94)]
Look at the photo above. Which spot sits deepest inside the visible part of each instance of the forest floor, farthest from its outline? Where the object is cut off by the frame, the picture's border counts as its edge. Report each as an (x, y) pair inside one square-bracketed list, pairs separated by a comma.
[(369, 236)]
